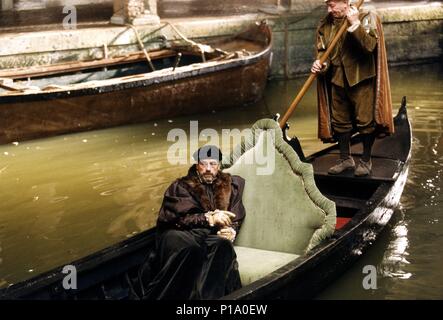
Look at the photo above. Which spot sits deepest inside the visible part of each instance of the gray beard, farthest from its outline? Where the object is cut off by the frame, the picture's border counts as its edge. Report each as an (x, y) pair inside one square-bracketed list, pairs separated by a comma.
[(209, 179)]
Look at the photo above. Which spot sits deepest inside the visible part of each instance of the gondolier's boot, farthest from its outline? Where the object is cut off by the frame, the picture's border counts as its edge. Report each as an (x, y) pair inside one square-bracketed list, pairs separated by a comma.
[(363, 169), (365, 165), (345, 162), (342, 165)]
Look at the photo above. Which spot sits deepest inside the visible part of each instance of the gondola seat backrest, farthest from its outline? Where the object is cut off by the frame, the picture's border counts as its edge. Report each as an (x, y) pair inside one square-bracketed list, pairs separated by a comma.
[(286, 215)]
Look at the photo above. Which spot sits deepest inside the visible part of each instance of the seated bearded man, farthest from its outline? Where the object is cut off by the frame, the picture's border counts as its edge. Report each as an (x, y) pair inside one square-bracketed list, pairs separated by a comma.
[(199, 219)]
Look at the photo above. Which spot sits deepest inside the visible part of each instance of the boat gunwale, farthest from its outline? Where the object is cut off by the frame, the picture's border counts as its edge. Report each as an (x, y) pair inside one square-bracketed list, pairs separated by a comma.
[(84, 264)]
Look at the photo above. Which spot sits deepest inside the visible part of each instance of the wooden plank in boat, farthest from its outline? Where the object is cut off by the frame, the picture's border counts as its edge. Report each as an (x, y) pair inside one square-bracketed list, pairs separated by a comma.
[(387, 147), (39, 71), (383, 170), (347, 202)]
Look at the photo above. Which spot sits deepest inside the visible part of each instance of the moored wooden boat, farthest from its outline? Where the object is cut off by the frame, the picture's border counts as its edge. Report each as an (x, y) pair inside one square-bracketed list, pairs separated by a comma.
[(49, 100), (364, 207)]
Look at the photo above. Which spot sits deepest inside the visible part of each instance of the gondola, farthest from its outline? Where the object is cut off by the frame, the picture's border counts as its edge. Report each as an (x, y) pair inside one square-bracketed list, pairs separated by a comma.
[(364, 205), (180, 78)]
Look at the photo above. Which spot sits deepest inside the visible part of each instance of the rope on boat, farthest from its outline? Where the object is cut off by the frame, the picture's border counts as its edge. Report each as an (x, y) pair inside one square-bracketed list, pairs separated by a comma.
[(140, 43), (202, 47)]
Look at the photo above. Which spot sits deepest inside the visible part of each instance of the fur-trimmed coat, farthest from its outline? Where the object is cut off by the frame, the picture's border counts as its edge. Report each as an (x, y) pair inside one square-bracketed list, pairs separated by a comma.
[(187, 200)]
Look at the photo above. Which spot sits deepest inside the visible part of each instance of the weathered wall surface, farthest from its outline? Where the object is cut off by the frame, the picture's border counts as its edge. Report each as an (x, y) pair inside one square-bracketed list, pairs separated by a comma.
[(39, 4), (413, 32)]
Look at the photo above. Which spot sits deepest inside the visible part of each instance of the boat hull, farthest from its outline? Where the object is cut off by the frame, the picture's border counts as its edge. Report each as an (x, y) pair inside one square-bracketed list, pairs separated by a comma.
[(306, 277), (216, 89), (106, 274)]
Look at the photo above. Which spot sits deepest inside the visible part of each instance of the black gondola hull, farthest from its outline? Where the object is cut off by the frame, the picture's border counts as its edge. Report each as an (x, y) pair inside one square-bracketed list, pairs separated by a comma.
[(108, 274)]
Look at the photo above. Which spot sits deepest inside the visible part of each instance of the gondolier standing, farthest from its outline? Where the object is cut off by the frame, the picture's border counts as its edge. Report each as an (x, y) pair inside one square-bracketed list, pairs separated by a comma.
[(353, 84), (199, 219)]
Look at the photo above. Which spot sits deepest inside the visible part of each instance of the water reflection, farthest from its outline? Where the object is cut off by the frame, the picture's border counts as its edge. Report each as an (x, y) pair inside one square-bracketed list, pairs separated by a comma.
[(395, 255)]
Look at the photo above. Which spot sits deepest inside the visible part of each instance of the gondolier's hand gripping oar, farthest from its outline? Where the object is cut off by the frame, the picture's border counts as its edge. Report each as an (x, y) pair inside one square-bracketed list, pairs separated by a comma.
[(312, 76)]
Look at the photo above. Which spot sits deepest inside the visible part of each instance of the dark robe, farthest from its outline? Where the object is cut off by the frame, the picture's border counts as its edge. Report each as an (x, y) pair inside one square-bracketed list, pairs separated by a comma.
[(191, 261)]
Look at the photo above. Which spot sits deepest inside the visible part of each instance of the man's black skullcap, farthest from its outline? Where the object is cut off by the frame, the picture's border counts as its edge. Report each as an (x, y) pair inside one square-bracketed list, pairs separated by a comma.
[(208, 152)]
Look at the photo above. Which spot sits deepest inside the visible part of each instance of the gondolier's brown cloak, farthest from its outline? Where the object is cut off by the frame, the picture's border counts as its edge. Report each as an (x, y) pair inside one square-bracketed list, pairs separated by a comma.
[(383, 102)]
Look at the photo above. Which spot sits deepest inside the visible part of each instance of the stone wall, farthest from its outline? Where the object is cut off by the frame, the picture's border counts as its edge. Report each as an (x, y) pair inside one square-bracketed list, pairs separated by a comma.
[(134, 8), (39, 4), (6, 5)]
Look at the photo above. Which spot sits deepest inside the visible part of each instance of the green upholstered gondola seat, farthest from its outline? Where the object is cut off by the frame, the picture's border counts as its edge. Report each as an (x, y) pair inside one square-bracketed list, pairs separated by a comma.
[(286, 215)]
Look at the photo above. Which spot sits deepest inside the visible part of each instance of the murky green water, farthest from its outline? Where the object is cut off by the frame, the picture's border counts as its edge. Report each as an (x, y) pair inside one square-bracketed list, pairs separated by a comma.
[(68, 196)]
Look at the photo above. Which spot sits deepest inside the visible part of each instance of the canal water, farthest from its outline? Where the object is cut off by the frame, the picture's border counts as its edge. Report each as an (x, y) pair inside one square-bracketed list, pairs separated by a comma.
[(65, 197)]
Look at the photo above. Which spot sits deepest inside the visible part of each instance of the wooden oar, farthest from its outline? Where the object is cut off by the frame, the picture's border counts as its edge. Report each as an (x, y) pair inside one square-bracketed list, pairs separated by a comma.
[(312, 77)]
